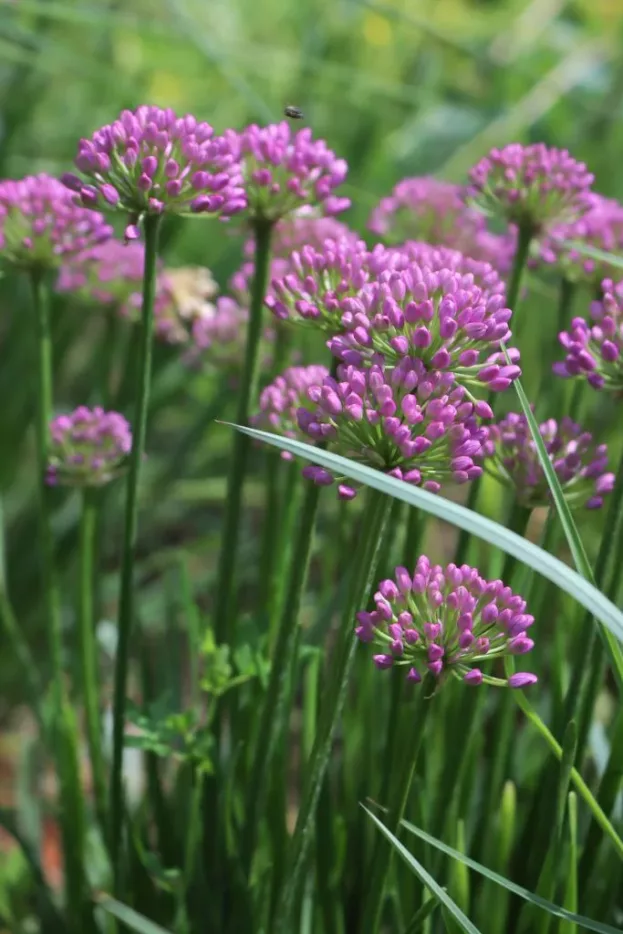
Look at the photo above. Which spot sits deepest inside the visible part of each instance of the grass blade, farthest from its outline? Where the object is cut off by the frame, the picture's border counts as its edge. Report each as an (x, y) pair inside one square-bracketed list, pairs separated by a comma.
[(132, 919), (492, 532), (440, 894)]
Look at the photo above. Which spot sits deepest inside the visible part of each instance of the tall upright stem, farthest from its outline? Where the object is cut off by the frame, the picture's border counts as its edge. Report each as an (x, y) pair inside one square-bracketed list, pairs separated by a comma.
[(43, 417), (365, 562), (130, 534), (88, 654), (241, 442)]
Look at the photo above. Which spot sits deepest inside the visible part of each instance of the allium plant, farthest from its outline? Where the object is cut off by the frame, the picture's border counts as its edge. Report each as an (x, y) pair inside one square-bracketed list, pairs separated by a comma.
[(414, 425), (217, 340), (532, 186), (108, 273), (473, 271), (87, 447), (601, 227), (40, 225), (594, 348), (150, 161), (580, 464), (448, 621), (424, 208), (282, 400), (439, 318), (305, 227), (284, 170)]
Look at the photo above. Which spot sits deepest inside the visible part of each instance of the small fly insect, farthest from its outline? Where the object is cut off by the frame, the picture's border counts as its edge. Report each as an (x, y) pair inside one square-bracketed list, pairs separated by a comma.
[(294, 113)]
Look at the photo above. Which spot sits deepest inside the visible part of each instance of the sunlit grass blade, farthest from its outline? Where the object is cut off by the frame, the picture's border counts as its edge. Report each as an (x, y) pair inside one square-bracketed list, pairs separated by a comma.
[(485, 529), (555, 910), (594, 253), (130, 918), (434, 888), (572, 535)]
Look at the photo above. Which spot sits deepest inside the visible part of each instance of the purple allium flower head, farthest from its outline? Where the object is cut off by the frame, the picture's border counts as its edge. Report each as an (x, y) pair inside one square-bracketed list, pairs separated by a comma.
[(425, 208), (496, 249), (87, 447), (594, 349), (107, 274), (448, 621), (580, 464), (218, 339), (533, 186), (320, 287), (414, 425), (439, 318), (150, 161), (41, 226), (437, 258), (305, 227), (282, 399), (285, 170), (601, 227)]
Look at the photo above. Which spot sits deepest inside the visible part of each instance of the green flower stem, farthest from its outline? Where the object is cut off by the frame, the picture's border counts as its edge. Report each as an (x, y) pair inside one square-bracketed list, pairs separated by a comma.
[(130, 535), (276, 593), (88, 653), (556, 388), (579, 783), (408, 736), (272, 716), (525, 234), (223, 623), (365, 562), (182, 922)]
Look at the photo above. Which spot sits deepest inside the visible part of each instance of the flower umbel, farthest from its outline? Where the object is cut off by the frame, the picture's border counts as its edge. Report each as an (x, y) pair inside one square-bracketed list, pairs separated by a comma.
[(439, 318), (601, 228), (87, 447), (446, 620), (305, 227), (594, 349), (581, 465), (285, 170), (414, 425), (531, 186), (218, 339), (284, 397), (108, 273), (150, 160), (41, 226), (424, 208)]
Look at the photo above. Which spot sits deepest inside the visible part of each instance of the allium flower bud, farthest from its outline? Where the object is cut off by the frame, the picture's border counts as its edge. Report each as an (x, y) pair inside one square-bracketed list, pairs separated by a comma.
[(284, 170), (426, 209), (531, 186), (40, 226), (416, 426), (320, 288), (581, 465), (439, 318), (601, 227), (306, 227), (87, 447), (594, 349), (150, 161), (284, 397), (448, 621)]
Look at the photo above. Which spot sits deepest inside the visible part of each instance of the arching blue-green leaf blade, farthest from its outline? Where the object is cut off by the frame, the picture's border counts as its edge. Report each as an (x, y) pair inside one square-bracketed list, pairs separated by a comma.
[(529, 554)]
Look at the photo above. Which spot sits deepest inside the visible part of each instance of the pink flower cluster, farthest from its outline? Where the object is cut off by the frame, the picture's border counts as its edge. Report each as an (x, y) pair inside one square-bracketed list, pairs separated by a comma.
[(87, 447), (594, 349)]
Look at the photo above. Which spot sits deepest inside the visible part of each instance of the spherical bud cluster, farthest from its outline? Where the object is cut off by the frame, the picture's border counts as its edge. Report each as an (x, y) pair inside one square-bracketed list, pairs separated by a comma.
[(594, 349), (107, 274), (416, 426), (440, 318), (87, 447), (437, 258), (149, 161), (41, 227), (281, 401), (601, 228), (285, 170), (580, 465), (531, 186), (305, 227), (426, 209), (321, 287), (496, 249), (447, 621), (218, 340)]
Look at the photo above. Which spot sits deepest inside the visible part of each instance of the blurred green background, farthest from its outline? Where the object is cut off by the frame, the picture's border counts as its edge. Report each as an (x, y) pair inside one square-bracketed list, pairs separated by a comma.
[(398, 88)]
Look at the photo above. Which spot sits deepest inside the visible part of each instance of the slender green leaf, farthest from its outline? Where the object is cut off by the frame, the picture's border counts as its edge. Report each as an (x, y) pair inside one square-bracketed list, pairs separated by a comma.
[(440, 894), (595, 253), (132, 919), (555, 910), (487, 530)]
